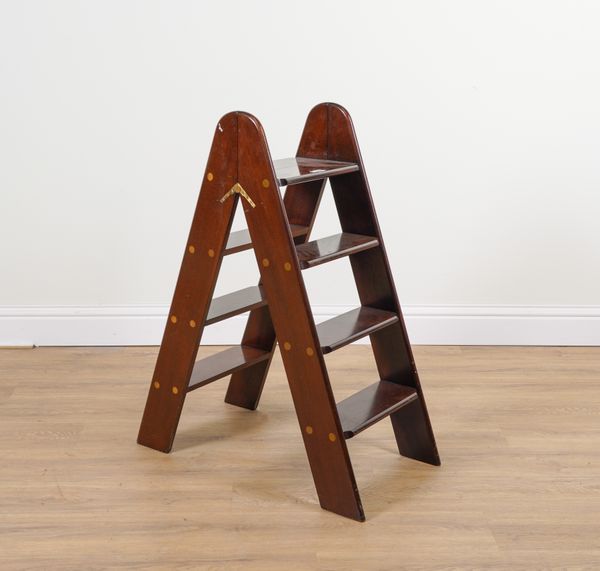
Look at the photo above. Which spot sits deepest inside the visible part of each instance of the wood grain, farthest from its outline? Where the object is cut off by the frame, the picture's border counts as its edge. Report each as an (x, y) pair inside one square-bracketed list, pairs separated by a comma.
[(519, 487), (193, 292), (331, 248), (301, 202), (240, 150), (296, 170), (239, 240), (235, 303), (223, 364), (281, 279), (371, 404), (350, 326), (375, 286)]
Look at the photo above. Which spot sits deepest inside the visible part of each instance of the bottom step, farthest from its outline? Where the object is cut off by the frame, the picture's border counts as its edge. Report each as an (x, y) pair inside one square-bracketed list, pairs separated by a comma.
[(372, 404), (225, 363)]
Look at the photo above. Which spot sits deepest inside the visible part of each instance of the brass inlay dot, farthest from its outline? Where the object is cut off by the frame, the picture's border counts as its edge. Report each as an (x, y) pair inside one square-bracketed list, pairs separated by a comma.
[(210, 176), (156, 385), (309, 429), (191, 249), (192, 323), (174, 390), (309, 351), (173, 319), (287, 345), (265, 183), (287, 266), (266, 262), (332, 437), (211, 253)]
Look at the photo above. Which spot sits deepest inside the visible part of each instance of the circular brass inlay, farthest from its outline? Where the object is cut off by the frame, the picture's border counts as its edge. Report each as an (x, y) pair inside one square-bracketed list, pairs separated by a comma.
[(211, 253), (266, 262), (173, 319), (156, 385), (287, 345), (265, 183), (210, 176), (287, 266), (174, 390), (191, 249), (309, 351), (309, 429), (192, 323), (332, 437)]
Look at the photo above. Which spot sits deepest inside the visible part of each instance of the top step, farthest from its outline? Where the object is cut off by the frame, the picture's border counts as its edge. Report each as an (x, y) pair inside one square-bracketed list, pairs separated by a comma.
[(305, 169)]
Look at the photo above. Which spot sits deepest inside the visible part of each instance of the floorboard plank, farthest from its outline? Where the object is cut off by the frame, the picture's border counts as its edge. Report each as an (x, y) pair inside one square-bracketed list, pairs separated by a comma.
[(518, 430)]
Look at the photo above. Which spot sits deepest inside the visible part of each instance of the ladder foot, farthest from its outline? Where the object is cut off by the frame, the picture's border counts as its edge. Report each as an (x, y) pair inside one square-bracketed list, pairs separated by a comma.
[(357, 514), (245, 387), (156, 443), (241, 404), (247, 398), (414, 435)]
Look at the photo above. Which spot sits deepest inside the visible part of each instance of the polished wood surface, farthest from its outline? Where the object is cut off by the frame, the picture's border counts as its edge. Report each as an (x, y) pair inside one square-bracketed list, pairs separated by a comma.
[(372, 404), (224, 364), (518, 490), (331, 248), (293, 322), (376, 288), (351, 326), (240, 240), (235, 303), (240, 152), (295, 170), (202, 257), (300, 202)]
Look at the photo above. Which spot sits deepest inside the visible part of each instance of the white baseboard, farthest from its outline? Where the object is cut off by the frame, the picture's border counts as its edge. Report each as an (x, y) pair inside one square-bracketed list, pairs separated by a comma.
[(427, 325)]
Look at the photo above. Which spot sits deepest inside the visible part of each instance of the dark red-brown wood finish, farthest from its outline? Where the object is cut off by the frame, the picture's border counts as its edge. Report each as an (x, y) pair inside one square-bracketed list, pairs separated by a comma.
[(193, 292), (301, 202), (296, 331), (278, 231), (375, 284)]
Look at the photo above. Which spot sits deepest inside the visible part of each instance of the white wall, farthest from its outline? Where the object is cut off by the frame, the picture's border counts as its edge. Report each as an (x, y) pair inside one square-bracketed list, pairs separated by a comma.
[(479, 124)]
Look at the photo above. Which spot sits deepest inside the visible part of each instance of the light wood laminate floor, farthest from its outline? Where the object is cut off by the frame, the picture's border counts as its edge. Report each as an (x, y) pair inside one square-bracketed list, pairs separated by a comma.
[(518, 430)]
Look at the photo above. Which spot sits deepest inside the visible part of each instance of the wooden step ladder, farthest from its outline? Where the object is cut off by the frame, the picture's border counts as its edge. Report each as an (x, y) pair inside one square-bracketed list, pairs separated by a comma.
[(240, 168)]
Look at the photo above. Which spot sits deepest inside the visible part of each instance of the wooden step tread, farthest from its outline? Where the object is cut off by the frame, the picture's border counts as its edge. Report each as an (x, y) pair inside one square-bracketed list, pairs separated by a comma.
[(352, 325), (333, 247), (235, 303), (225, 363), (305, 169), (240, 240), (372, 404)]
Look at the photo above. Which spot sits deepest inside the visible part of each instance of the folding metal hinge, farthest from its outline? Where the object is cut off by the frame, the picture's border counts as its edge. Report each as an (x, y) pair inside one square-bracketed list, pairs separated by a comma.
[(238, 189)]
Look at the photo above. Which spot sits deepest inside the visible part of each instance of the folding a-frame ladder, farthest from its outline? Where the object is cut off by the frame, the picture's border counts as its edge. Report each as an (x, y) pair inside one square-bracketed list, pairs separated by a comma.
[(240, 165)]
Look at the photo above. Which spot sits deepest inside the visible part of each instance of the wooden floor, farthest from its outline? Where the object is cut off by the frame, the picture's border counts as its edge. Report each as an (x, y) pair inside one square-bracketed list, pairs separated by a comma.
[(518, 430)]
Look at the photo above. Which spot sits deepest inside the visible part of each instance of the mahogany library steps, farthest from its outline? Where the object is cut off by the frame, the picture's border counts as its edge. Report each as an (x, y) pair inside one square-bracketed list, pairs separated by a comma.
[(240, 170)]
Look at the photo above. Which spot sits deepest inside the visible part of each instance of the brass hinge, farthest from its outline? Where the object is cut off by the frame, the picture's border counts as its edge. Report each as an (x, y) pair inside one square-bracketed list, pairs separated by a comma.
[(238, 189)]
